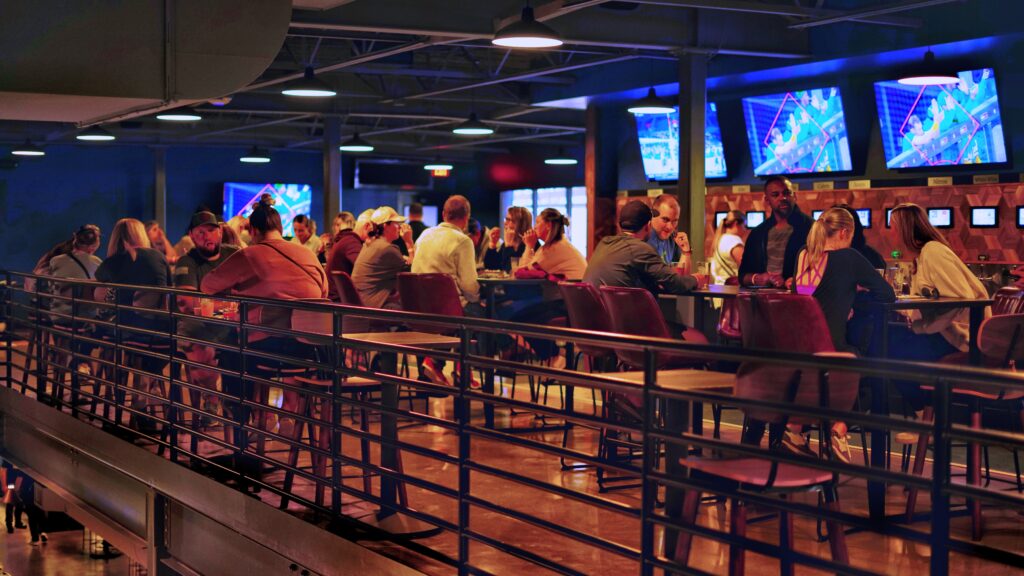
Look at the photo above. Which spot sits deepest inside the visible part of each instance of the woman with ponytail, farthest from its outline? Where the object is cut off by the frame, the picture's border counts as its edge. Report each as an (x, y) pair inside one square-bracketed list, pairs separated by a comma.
[(728, 243), (557, 256)]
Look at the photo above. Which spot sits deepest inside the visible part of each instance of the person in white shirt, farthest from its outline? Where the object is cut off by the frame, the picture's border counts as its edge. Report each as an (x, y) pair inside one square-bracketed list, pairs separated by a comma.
[(446, 249), (725, 262), (305, 233)]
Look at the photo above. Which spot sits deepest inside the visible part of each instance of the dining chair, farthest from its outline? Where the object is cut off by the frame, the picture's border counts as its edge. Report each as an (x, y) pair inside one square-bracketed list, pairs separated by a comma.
[(1001, 341)]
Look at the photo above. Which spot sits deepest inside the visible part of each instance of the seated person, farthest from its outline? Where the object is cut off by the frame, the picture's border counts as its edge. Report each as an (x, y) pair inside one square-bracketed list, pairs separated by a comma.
[(499, 254), (376, 270)]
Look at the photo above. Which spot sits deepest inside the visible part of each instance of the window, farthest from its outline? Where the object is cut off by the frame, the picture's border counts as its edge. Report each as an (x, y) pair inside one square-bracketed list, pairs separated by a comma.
[(569, 201)]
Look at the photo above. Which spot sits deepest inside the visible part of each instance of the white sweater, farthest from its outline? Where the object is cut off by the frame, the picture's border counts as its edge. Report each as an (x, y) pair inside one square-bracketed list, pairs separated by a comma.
[(939, 267)]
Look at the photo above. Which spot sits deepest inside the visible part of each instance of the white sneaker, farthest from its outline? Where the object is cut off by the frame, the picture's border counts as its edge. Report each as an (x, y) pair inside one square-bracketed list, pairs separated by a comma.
[(85, 369)]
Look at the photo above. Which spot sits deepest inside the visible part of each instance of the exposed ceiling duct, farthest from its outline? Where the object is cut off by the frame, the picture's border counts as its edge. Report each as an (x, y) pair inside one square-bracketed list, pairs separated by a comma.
[(87, 62)]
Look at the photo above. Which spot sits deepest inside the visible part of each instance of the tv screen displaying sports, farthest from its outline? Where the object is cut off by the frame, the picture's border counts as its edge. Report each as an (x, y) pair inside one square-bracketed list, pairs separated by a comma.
[(659, 144), (941, 125), (290, 200), (799, 132)]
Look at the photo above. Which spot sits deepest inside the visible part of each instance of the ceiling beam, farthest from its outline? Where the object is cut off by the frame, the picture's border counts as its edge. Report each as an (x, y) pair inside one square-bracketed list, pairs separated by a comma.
[(548, 11), (517, 77), (859, 15), (251, 126), (454, 119), (791, 10)]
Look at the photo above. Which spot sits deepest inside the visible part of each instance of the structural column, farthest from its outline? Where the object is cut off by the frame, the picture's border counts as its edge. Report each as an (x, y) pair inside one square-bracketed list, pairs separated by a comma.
[(332, 170), (160, 186), (693, 74)]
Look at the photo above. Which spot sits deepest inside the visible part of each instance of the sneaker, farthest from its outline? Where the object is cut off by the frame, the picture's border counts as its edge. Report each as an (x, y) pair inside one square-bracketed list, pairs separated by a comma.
[(841, 447), (797, 444), (43, 538), (84, 369), (434, 373)]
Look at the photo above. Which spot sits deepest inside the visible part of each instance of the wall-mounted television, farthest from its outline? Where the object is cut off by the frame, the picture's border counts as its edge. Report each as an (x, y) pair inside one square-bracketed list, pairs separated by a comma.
[(754, 218), (1020, 216), (290, 200), (888, 217), (985, 217), (864, 214), (941, 125), (799, 132), (719, 216), (815, 214), (659, 144), (941, 217)]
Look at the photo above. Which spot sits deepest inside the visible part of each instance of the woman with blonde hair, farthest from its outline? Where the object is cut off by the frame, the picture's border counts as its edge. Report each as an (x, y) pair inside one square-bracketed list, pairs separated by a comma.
[(936, 271), (240, 224), (132, 260), (500, 253), (728, 243)]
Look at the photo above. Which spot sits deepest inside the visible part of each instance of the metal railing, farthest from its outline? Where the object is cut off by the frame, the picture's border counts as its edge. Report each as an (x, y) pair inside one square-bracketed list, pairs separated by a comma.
[(383, 455)]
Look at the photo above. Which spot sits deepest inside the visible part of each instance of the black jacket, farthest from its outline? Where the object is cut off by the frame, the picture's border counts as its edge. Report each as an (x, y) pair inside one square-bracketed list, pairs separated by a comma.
[(627, 261), (755, 251)]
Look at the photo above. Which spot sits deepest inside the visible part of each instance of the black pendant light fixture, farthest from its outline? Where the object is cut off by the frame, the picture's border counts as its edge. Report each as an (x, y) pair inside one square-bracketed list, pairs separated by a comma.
[(28, 149), (652, 104), (183, 115), (95, 134), (527, 33), (928, 73), (255, 155), (473, 127), (561, 159), (309, 87), (356, 144)]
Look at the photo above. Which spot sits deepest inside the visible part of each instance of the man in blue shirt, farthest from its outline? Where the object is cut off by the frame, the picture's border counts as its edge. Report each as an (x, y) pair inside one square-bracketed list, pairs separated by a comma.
[(670, 244)]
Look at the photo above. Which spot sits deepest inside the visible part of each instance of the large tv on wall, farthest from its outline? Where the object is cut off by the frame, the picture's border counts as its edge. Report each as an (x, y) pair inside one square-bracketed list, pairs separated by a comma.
[(290, 200), (659, 144), (798, 132), (943, 124)]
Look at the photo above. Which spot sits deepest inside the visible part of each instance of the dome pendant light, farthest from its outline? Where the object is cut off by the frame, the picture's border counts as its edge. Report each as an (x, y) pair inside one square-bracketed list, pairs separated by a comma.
[(185, 115), (309, 87), (527, 33), (473, 127), (255, 156), (95, 134), (28, 149), (652, 104), (436, 164), (356, 144), (929, 73), (561, 159)]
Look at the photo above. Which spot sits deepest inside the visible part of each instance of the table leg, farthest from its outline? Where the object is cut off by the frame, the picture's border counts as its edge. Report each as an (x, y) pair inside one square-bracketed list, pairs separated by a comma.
[(977, 315), (698, 312), (879, 437), (388, 454), (677, 416)]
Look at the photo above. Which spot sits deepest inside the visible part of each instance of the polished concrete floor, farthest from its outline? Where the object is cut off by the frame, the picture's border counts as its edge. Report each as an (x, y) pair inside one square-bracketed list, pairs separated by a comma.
[(1004, 527), (66, 554)]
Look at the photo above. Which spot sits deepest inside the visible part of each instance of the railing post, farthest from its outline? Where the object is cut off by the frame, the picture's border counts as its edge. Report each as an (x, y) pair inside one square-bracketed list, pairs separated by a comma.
[(241, 434), (175, 396), (76, 382), (8, 341), (462, 412), (941, 480), (336, 412), (649, 492), (42, 340)]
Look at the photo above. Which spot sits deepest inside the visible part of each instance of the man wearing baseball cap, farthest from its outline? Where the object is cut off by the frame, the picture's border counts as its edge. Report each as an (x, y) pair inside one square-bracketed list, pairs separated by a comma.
[(628, 260)]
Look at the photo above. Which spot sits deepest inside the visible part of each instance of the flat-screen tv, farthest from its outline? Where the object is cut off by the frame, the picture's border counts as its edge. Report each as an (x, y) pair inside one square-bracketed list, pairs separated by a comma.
[(941, 217), (985, 217), (659, 144), (799, 132), (290, 200), (864, 214), (941, 125), (754, 218), (815, 214), (719, 217)]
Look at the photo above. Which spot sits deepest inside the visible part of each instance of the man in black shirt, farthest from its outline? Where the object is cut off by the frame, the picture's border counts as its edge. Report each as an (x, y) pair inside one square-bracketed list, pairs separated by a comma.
[(416, 220), (208, 254), (769, 257)]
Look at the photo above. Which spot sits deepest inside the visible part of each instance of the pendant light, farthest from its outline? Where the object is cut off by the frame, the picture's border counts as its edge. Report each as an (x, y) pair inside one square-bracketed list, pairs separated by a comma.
[(473, 127), (255, 155), (527, 33), (652, 104), (436, 164), (929, 73), (95, 134), (309, 87), (356, 144), (561, 159), (185, 115), (28, 149)]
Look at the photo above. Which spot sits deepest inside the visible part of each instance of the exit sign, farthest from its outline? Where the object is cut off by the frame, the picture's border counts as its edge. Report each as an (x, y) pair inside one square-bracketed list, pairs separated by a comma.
[(439, 173)]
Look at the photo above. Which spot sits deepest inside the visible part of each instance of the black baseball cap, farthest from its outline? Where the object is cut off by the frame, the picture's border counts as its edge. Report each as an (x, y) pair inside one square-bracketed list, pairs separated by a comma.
[(203, 218), (635, 215)]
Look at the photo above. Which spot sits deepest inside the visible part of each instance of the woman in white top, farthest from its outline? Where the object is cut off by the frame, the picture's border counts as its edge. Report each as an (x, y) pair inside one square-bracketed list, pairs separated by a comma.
[(725, 262), (557, 256), (930, 335)]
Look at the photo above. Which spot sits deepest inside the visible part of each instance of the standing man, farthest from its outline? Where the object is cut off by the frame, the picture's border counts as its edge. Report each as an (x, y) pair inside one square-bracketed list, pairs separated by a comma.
[(671, 244), (771, 251), (416, 220)]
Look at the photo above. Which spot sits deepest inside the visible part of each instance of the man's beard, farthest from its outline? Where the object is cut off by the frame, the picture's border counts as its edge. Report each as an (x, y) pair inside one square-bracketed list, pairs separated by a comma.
[(207, 253)]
